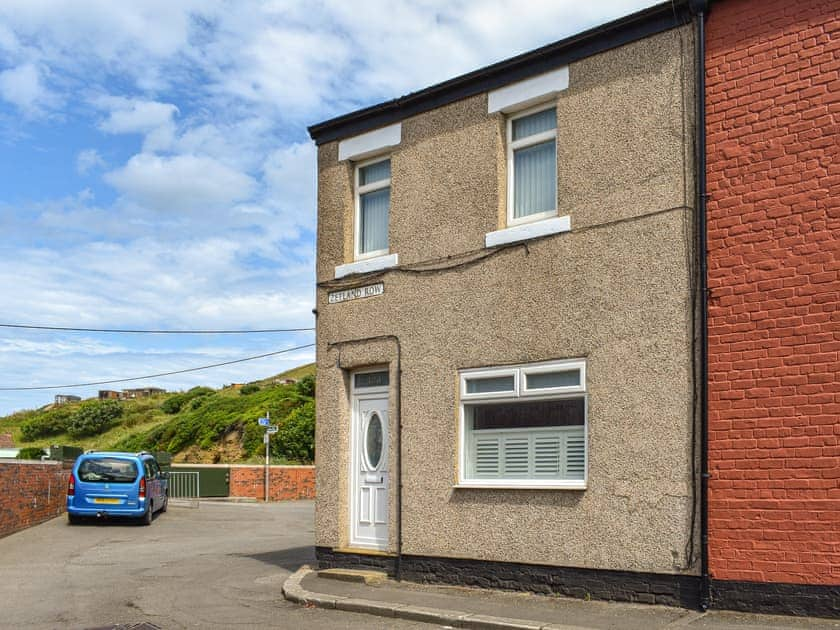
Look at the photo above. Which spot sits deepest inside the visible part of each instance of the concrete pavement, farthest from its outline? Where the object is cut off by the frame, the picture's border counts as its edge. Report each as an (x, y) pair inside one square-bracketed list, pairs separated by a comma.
[(478, 609)]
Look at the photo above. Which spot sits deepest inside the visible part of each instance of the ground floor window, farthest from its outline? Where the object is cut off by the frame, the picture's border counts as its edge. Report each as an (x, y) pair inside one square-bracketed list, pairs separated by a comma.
[(524, 425)]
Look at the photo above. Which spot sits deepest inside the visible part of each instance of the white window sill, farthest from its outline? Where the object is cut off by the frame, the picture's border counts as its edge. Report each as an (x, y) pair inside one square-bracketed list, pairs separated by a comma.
[(530, 485), (528, 231), (367, 265)]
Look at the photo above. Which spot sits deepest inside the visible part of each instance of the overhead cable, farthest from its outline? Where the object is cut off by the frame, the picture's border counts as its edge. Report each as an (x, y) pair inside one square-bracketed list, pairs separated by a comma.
[(140, 378), (156, 332)]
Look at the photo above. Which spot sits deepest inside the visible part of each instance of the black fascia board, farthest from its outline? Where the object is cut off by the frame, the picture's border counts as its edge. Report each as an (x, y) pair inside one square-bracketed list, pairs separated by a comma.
[(633, 27)]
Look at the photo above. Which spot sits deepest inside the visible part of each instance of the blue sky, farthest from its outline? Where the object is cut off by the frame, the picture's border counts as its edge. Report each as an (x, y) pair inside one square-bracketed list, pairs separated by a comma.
[(155, 170)]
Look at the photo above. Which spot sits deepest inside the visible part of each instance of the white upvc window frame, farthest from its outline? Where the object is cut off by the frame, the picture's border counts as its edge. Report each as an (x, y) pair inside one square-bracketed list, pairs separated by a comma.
[(468, 375), (523, 143), (358, 192), (559, 366), (521, 395)]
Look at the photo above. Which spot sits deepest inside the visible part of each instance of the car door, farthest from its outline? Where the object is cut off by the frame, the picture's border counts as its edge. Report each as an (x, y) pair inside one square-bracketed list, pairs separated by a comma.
[(151, 484), (160, 486)]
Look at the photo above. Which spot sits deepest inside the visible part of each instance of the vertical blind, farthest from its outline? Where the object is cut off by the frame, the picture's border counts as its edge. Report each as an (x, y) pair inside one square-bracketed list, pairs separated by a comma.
[(535, 166), (375, 172), (534, 124), (373, 207), (374, 229)]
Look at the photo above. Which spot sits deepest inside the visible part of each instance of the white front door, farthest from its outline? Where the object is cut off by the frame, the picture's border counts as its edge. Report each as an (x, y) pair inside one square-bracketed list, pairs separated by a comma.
[(369, 492)]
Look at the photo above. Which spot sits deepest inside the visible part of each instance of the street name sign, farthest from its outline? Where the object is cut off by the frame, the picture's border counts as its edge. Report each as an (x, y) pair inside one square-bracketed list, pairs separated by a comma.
[(369, 290)]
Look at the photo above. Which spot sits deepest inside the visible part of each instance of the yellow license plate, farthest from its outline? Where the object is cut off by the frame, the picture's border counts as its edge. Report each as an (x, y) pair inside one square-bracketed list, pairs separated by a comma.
[(106, 500)]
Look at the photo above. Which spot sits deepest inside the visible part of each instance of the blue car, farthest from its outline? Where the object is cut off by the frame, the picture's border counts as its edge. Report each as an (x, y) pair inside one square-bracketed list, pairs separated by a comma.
[(105, 484)]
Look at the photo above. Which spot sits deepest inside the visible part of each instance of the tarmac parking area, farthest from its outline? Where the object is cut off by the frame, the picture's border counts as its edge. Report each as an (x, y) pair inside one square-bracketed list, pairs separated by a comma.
[(217, 565)]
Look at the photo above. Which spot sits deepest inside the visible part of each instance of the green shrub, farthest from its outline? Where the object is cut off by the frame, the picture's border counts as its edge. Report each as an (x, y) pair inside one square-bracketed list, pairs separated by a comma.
[(306, 386), (94, 417), (295, 438), (49, 423), (173, 404), (250, 388), (31, 452), (252, 438)]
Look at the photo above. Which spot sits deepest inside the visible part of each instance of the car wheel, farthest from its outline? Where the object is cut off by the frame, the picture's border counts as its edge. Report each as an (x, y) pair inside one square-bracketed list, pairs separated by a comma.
[(165, 503), (73, 519), (147, 517)]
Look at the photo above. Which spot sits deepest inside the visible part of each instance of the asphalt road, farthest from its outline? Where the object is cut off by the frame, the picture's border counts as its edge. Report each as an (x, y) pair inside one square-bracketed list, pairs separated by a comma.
[(220, 565)]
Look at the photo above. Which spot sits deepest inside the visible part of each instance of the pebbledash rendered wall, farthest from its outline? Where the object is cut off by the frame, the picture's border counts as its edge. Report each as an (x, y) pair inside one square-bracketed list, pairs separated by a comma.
[(31, 492), (773, 150), (616, 290)]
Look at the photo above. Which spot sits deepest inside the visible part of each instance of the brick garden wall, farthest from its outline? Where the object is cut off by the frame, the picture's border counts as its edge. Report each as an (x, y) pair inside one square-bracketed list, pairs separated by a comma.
[(773, 107), (286, 483), (30, 493)]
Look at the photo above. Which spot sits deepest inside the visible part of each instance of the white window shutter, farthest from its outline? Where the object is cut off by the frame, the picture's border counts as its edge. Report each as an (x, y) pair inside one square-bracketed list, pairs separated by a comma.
[(516, 456), (575, 456), (487, 460), (547, 450)]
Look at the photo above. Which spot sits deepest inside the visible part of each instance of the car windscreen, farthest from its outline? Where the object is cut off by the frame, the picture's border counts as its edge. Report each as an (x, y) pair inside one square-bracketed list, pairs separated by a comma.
[(108, 469)]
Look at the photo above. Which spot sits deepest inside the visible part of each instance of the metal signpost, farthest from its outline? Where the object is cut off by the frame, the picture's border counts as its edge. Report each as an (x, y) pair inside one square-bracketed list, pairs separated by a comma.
[(264, 422), (270, 429)]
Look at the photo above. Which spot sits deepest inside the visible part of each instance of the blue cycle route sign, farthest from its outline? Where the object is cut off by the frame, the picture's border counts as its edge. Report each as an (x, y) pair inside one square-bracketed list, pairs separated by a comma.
[(264, 422)]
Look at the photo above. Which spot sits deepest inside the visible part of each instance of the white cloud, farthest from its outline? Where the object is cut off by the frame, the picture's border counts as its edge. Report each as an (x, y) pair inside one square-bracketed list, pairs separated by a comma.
[(182, 183), (152, 119), (130, 40), (241, 143), (135, 116), (60, 347), (22, 86), (290, 177), (199, 283), (8, 40), (88, 159)]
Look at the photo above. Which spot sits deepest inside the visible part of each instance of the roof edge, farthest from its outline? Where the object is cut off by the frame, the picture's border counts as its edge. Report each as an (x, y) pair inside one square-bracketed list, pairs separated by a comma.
[(651, 21)]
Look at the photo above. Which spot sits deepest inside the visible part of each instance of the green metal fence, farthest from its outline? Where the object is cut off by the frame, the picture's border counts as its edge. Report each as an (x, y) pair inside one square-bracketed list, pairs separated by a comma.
[(213, 481)]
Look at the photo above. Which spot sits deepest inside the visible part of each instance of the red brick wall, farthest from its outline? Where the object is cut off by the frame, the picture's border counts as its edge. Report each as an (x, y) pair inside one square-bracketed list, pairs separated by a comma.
[(30, 493), (286, 483), (773, 108)]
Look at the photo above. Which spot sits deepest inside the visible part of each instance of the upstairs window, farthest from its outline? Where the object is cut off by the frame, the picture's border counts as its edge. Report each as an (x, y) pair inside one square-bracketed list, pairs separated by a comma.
[(524, 426), (373, 202), (532, 165)]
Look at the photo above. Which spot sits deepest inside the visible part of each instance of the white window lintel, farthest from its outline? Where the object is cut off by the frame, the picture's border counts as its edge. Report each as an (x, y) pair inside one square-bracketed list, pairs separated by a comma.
[(367, 265), (370, 143), (528, 231), (528, 92)]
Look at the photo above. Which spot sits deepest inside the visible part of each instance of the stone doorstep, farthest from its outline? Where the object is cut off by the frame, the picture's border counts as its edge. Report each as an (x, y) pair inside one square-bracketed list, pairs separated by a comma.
[(371, 578), (294, 592)]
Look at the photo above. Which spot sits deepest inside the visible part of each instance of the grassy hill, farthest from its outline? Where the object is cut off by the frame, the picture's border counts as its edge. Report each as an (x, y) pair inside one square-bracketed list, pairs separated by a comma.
[(201, 425)]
